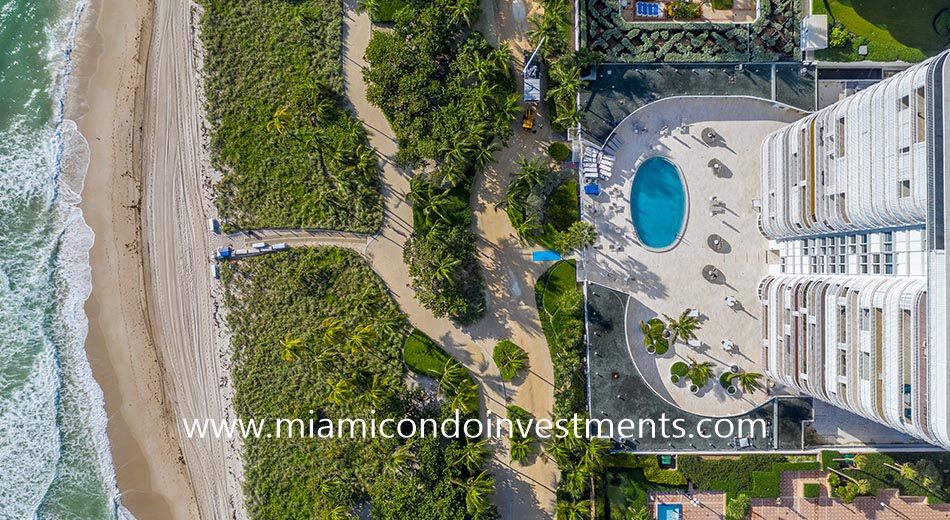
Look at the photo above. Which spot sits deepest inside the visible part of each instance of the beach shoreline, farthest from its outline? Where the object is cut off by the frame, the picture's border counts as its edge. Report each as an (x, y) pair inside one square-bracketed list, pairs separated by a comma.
[(105, 98)]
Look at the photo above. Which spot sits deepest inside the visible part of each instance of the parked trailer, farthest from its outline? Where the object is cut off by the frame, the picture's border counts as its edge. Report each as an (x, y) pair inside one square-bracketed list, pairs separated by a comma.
[(215, 272), (259, 245), (213, 226), (280, 247), (223, 253)]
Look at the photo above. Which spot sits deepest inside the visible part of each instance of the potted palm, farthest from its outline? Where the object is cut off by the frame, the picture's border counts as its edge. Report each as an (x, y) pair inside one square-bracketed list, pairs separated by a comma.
[(748, 382), (699, 373), (653, 336), (684, 327)]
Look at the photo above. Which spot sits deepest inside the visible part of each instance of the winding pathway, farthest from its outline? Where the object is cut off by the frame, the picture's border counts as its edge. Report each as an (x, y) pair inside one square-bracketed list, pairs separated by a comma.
[(520, 491)]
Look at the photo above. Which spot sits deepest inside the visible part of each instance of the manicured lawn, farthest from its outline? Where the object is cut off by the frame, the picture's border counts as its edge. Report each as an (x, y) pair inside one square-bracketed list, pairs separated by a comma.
[(422, 355), (561, 277), (892, 30)]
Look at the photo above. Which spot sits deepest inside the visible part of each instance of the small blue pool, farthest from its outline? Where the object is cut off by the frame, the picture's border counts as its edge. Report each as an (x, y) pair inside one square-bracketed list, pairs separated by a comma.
[(669, 512), (658, 203), (545, 256)]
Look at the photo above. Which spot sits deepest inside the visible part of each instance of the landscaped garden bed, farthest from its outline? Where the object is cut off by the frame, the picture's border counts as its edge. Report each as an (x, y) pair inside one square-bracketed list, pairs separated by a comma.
[(772, 37)]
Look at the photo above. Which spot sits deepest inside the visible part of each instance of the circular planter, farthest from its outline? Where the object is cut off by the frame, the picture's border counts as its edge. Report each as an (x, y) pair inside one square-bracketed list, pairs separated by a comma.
[(693, 389), (651, 349), (734, 369), (675, 378), (732, 390)]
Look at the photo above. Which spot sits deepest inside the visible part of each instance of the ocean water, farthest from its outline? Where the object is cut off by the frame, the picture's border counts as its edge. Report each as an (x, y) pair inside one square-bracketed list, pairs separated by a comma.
[(54, 453)]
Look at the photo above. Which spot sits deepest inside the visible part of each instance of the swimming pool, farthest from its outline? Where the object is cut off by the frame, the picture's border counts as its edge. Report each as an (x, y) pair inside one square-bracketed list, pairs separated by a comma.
[(658, 203), (669, 512)]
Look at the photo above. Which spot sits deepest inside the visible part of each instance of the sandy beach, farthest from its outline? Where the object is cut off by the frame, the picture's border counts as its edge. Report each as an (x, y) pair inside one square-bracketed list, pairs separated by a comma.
[(153, 359)]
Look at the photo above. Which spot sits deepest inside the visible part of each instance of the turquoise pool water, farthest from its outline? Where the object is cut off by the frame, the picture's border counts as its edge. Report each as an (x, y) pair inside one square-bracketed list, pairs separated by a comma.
[(657, 203)]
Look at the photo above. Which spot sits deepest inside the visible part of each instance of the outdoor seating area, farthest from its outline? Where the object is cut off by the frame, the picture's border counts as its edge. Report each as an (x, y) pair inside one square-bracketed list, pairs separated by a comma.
[(709, 276)]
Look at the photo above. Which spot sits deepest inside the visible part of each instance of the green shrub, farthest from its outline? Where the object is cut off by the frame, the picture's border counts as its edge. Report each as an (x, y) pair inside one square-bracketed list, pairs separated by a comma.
[(722, 4), (650, 466), (559, 151), (840, 37), (827, 459), (738, 508), (683, 10), (384, 11), (510, 359), (812, 490), (679, 369)]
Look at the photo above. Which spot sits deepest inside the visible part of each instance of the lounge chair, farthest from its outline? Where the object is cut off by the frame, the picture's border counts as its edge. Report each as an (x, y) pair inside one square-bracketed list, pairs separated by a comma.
[(694, 343)]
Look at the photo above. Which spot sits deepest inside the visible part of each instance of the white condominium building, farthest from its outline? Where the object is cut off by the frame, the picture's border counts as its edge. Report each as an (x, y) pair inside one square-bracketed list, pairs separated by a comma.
[(855, 307)]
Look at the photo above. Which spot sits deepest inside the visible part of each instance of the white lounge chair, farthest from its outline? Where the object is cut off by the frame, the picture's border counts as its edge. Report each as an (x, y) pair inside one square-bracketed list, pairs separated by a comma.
[(694, 343)]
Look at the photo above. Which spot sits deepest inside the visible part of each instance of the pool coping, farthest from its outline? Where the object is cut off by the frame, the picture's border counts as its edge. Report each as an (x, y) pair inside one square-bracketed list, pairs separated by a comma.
[(686, 203)]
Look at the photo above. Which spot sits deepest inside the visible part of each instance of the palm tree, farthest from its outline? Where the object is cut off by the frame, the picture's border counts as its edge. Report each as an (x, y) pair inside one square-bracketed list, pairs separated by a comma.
[(477, 489), (337, 513), (280, 120), (483, 152), (452, 373), (652, 333), (465, 398), (361, 339), (576, 482), (580, 236), (748, 381), (340, 391), (510, 108), (473, 454), (401, 458), (526, 228), (531, 170), (907, 471), (632, 513), (333, 331), (683, 328), (376, 393), (579, 510), (593, 457), (521, 448), (464, 11), (558, 449), (445, 269), (699, 373), (567, 116), (500, 58), (291, 348)]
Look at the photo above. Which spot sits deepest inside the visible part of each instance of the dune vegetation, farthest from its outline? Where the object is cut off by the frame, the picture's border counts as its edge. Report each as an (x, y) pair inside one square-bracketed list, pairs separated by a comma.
[(291, 153), (317, 336), (449, 97)]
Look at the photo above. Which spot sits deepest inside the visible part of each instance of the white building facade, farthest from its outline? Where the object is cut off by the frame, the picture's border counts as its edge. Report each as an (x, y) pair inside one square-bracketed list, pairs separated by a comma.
[(854, 308)]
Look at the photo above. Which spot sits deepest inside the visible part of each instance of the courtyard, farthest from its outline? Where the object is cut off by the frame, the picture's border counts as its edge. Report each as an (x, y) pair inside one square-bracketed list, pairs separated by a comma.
[(719, 235)]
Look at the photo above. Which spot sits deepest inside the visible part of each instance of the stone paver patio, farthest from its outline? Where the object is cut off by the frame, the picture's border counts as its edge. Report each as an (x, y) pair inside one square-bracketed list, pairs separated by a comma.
[(888, 505), (668, 282)]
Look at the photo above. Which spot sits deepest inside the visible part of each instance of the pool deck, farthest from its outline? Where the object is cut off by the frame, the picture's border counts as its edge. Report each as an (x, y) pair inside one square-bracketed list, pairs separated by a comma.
[(670, 281)]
